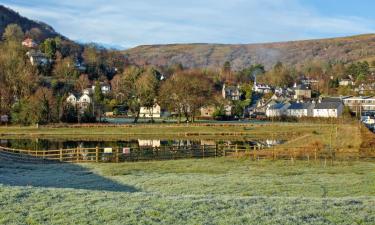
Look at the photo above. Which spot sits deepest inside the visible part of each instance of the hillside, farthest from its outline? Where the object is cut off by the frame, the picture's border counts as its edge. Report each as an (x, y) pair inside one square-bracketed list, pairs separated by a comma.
[(344, 49), (8, 16)]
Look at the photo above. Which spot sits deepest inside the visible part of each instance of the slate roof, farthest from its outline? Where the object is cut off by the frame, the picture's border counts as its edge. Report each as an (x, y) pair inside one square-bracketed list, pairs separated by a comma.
[(328, 105), (300, 106), (277, 106)]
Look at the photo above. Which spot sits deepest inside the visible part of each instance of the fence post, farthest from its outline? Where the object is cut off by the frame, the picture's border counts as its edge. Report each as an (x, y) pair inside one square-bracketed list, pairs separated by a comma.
[(203, 150), (61, 155), (77, 152), (97, 154), (216, 148), (117, 150)]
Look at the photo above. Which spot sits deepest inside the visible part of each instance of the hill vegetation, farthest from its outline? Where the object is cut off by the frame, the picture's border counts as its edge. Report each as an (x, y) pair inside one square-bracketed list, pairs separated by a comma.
[(345, 49), (36, 29)]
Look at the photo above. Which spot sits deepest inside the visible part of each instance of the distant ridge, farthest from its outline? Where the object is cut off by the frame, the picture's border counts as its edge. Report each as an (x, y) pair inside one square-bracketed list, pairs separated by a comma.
[(345, 49)]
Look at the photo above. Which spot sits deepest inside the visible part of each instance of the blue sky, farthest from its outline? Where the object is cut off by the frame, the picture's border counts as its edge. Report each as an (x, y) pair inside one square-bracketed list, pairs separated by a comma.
[(128, 23)]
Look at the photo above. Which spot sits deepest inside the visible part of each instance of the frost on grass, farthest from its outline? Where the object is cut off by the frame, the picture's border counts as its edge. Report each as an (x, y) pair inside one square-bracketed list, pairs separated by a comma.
[(212, 191)]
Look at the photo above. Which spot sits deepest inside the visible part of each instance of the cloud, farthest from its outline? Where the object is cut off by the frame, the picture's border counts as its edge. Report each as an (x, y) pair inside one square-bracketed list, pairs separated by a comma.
[(129, 23)]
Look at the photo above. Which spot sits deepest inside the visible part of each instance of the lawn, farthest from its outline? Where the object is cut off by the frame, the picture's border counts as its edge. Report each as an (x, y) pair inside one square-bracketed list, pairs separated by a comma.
[(206, 191)]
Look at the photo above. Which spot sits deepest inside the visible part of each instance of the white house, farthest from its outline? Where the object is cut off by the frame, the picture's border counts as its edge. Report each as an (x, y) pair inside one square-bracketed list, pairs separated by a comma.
[(231, 92), (262, 88), (81, 102), (277, 110), (346, 82), (360, 104), (328, 109), (72, 99), (302, 92), (37, 58), (147, 112), (105, 88), (300, 110)]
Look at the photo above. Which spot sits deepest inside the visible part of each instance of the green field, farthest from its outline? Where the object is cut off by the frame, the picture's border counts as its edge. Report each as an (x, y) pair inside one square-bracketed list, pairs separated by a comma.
[(209, 191)]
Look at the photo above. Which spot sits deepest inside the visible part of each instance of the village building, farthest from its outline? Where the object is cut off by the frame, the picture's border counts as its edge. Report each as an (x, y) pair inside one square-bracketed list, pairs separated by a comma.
[(150, 112), (302, 92), (300, 109), (346, 82), (262, 88), (307, 81), (277, 110), (104, 87), (328, 108), (37, 58), (82, 102), (208, 111), (231, 92), (360, 104), (29, 43)]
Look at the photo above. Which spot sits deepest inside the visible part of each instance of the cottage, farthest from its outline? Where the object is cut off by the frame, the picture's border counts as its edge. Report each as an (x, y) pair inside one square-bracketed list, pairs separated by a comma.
[(104, 87), (328, 109), (29, 43), (37, 58), (150, 112), (277, 110), (231, 92), (208, 111), (346, 82), (300, 110), (82, 102), (302, 92), (262, 88), (72, 99)]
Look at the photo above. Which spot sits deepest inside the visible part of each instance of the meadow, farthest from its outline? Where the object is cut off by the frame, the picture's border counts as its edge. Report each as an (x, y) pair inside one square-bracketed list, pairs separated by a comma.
[(206, 191)]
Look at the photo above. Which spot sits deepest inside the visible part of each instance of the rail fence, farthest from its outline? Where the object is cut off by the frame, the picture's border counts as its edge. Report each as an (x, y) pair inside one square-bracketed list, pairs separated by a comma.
[(132, 154)]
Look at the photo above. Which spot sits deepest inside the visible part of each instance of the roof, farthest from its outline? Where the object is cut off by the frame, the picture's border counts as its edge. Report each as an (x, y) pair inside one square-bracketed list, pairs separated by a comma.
[(302, 87), (277, 106), (332, 99), (328, 105), (300, 106)]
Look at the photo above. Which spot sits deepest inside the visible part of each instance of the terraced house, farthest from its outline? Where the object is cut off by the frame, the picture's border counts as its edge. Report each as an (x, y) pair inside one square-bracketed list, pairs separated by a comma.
[(360, 104)]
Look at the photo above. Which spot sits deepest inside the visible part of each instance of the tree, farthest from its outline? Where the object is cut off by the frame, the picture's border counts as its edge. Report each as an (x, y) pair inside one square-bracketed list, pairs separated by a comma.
[(146, 89), (17, 76), (185, 93), (82, 83), (49, 47), (98, 100), (13, 32), (65, 69), (35, 34)]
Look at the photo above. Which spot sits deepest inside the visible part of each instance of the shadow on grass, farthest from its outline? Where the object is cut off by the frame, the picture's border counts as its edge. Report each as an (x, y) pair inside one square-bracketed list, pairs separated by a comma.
[(59, 175)]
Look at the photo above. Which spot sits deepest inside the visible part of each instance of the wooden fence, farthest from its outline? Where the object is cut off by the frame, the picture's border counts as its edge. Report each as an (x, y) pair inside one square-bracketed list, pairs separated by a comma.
[(131, 154)]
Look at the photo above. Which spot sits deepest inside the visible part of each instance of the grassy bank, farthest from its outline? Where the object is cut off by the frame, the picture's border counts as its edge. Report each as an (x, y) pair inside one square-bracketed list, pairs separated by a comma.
[(345, 136), (210, 191)]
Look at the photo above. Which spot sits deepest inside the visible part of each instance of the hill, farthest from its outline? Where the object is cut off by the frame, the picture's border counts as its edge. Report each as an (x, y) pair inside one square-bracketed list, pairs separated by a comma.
[(8, 16), (345, 49)]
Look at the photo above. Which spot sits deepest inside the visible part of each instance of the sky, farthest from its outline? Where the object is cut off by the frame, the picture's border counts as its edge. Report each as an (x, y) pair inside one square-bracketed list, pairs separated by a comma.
[(129, 23)]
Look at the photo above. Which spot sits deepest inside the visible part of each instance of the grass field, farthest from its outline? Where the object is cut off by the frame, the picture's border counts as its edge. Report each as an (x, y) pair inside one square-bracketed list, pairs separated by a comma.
[(209, 191), (342, 136)]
